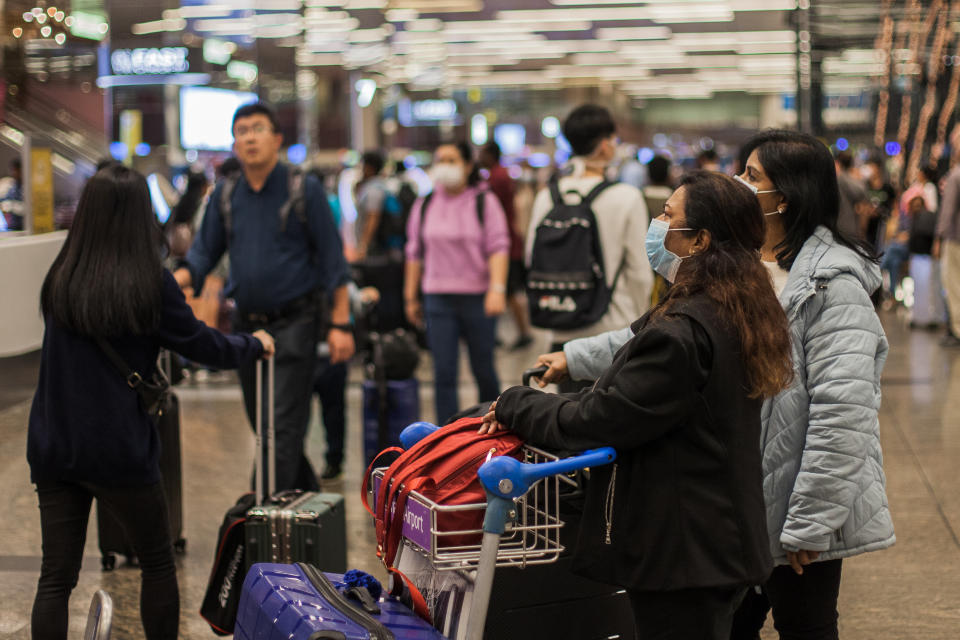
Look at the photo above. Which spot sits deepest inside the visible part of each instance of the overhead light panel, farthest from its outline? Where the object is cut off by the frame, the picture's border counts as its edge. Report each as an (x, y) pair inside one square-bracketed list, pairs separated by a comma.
[(634, 33)]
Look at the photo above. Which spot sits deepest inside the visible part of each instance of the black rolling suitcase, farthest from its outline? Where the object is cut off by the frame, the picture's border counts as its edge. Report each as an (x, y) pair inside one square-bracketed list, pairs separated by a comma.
[(113, 542)]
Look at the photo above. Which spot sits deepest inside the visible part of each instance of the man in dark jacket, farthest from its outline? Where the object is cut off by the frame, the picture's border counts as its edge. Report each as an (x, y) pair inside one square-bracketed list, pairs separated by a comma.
[(280, 266)]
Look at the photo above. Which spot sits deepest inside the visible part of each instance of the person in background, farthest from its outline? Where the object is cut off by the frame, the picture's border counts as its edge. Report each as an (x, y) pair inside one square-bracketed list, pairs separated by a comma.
[(707, 160), (946, 247), (854, 203), (501, 184), (621, 221), (281, 271), (90, 435), (658, 187), (679, 519), (457, 257), (379, 215), (11, 200), (824, 486), (655, 195), (882, 200)]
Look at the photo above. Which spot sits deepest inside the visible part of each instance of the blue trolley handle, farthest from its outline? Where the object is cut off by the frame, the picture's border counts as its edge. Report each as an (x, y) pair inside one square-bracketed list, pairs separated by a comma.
[(506, 477)]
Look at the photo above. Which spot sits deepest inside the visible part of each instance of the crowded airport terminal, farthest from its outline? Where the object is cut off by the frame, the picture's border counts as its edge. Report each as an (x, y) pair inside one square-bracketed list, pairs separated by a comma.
[(480, 319)]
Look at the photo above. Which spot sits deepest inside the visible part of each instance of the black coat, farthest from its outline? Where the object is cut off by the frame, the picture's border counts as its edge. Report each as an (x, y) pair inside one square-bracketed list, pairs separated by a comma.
[(686, 490)]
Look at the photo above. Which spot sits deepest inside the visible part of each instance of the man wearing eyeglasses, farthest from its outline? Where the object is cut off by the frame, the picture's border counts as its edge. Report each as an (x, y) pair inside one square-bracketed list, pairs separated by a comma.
[(286, 264)]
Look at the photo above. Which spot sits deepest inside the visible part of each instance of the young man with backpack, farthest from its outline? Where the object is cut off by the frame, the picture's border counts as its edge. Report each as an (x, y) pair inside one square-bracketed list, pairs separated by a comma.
[(587, 267), (379, 225)]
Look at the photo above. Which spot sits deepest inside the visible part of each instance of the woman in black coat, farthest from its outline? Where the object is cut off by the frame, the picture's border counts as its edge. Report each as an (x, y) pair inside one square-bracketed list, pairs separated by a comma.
[(90, 435), (679, 520)]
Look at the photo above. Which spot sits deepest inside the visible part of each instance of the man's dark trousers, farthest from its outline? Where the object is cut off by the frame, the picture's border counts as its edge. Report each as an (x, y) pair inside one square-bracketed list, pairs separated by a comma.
[(296, 340)]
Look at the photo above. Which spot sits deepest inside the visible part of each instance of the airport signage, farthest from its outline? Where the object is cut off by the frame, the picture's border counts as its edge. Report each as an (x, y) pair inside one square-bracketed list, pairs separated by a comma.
[(149, 61)]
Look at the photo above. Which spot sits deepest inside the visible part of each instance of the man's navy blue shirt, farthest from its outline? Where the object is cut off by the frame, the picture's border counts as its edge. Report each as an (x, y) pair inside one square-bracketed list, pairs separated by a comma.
[(269, 266)]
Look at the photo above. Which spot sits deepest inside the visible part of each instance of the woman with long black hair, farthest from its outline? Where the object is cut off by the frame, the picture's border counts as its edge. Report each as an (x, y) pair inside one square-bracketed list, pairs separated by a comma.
[(90, 435), (679, 519)]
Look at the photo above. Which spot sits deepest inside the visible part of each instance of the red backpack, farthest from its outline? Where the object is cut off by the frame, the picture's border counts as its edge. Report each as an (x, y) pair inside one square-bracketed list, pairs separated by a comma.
[(442, 467)]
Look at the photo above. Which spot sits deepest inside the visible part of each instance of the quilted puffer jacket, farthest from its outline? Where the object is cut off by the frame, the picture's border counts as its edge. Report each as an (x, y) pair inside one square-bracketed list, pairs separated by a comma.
[(823, 486), (823, 483)]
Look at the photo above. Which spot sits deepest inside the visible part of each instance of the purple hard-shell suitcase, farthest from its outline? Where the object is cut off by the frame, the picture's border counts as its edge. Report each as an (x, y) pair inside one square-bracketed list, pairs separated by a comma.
[(299, 602)]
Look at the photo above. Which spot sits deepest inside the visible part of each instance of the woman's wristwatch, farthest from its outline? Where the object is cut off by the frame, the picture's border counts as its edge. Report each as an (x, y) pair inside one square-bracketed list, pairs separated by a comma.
[(345, 326)]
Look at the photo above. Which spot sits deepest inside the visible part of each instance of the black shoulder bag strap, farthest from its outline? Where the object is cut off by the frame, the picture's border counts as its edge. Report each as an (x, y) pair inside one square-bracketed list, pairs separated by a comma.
[(152, 392)]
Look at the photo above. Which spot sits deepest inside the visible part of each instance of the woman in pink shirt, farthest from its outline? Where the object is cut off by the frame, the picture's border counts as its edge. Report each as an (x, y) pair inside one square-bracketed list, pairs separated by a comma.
[(457, 254)]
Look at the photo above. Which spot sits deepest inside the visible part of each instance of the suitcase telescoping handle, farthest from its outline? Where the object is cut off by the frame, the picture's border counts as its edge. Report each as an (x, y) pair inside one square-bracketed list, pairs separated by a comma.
[(536, 372), (258, 422)]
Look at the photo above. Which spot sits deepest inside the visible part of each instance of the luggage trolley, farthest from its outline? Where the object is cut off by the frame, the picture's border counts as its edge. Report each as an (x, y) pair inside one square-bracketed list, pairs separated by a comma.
[(521, 525)]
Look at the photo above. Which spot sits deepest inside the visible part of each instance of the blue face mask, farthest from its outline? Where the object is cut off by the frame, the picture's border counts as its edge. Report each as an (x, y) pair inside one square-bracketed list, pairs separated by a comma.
[(663, 261)]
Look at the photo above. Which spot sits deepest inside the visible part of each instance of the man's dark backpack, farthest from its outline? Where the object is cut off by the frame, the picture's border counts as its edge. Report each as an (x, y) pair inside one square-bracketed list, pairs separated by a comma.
[(566, 282), (296, 202)]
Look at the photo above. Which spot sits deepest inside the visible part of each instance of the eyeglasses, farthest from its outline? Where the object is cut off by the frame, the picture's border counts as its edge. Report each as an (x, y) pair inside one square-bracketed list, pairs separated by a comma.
[(256, 129)]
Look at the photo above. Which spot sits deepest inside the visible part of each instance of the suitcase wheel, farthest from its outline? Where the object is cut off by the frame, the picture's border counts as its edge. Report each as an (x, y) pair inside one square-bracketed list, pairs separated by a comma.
[(180, 545), (108, 562)]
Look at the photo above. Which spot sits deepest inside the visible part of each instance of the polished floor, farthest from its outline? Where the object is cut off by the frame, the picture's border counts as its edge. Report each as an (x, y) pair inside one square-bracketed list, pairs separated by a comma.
[(911, 591)]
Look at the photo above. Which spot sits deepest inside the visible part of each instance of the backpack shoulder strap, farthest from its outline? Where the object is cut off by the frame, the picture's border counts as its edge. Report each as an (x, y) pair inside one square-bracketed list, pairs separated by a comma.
[(297, 203), (555, 194), (481, 206), (295, 197), (226, 203), (423, 217), (591, 196)]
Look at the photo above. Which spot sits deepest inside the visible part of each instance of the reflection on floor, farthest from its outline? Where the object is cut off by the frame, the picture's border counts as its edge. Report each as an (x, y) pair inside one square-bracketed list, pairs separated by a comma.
[(910, 591)]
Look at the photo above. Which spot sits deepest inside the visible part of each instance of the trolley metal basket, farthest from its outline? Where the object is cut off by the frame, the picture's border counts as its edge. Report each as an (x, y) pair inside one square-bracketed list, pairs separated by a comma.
[(521, 522), (532, 534)]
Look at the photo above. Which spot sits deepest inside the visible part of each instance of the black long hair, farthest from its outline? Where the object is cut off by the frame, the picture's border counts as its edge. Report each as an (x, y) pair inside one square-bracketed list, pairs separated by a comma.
[(107, 278), (729, 271), (467, 154), (186, 208), (802, 169)]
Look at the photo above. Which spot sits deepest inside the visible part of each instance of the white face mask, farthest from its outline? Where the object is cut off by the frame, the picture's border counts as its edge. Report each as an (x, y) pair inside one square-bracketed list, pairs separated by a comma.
[(756, 191), (450, 176), (753, 187)]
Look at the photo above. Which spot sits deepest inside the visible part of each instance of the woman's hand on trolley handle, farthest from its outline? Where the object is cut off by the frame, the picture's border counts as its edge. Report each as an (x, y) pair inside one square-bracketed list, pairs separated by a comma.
[(556, 364), (269, 348), (490, 424)]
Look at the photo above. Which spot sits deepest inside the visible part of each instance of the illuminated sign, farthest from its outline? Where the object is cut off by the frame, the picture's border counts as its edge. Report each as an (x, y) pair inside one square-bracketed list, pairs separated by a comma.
[(137, 62), (432, 110)]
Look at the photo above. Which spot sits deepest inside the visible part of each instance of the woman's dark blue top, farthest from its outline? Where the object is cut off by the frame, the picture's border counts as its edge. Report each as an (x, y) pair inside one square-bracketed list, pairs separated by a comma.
[(86, 424)]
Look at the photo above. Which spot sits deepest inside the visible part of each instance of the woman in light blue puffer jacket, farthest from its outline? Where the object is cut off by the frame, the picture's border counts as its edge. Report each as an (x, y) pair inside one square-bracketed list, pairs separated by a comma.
[(822, 462)]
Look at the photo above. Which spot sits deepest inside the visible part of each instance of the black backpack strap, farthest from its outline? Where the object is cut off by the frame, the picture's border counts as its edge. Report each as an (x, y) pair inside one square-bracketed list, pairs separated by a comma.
[(593, 193), (555, 194), (297, 203), (481, 206), (423, 217), (226, 204), (295, 198)]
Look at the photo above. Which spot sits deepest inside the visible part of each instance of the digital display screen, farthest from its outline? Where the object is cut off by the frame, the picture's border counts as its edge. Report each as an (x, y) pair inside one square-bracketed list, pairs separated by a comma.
[(206, 116), (160, 206)]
